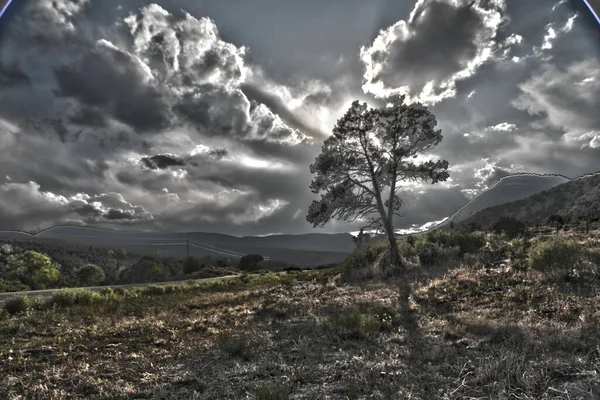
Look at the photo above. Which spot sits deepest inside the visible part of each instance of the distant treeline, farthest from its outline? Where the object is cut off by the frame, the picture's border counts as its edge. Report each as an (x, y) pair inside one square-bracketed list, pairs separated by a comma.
[(33, 265)]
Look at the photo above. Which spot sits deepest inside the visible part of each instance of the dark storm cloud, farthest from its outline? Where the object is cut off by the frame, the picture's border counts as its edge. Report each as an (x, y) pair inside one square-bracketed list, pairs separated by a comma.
[(115, 80), (162, 161), (452, 29), (12, 76), (116, 214), (87, 211), (89, 116), (218, 153)]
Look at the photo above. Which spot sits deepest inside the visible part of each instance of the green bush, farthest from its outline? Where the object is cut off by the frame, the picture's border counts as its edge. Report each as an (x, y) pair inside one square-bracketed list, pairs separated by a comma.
[(169, 289), (238, 345), (511, 226), (556, 256), (355, 325), (70, 297), (272, 391), (467, 242), (153, 290), (432, 254), (17, 304)]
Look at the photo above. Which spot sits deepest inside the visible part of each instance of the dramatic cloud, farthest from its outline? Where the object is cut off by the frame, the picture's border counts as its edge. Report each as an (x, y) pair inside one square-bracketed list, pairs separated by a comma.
[(567, 99), (194, 116), (443, 41), (12, 76), (118, 83), (162, 161)]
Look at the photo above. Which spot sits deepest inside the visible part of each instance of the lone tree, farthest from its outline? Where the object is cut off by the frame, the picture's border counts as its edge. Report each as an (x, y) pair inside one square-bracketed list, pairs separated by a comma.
[(362, 165)]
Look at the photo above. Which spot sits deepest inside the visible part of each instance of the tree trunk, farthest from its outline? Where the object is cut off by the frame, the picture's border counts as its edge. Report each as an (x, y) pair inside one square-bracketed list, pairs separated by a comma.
[(394, 252)]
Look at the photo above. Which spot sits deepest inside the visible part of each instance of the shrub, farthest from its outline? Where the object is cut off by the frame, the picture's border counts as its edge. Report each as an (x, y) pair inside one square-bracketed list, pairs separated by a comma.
[(556, 257), (511, 226), (357, 326), (368, 262), (169, 289), (6, 249), (70, 297), (432, 254), (467, 242), (238, 345), (17, 304), (272, 391), (153, 290)]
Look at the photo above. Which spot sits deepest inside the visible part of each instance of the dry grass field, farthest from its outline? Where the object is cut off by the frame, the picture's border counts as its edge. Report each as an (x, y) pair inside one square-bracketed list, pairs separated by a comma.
[(475, 330)]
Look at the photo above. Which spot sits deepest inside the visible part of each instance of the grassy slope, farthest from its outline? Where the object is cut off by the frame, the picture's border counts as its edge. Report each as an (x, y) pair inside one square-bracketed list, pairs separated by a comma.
[(480, 334)]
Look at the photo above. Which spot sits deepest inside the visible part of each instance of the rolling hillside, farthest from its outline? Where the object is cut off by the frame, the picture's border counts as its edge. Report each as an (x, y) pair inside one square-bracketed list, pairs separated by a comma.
[(506, 190), (577, 197), (303, 250)]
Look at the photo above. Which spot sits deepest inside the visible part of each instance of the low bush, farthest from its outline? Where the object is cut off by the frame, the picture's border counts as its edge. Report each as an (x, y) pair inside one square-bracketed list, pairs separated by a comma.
[(71, 297), (17, 304), (366, 263), (467, 242), (153, 290), (432, 254), (238, 344), (355, 325), (272, 391), (556, 257)]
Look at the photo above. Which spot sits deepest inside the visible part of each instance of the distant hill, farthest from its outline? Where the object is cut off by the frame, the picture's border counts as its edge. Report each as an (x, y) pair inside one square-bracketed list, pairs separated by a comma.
[(576, 197), (309, 249), (506, 190)]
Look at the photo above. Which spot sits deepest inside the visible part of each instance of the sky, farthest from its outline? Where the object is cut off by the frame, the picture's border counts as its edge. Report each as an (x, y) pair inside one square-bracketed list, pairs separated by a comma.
[(184, 115)]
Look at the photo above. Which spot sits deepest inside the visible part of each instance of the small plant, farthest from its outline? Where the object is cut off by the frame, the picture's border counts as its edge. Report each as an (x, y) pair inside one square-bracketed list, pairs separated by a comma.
[(272, 391), (18, 304)]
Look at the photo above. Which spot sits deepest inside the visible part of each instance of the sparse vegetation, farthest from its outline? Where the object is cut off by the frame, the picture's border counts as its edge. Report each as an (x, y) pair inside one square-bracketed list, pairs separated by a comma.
[(495, 323)]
